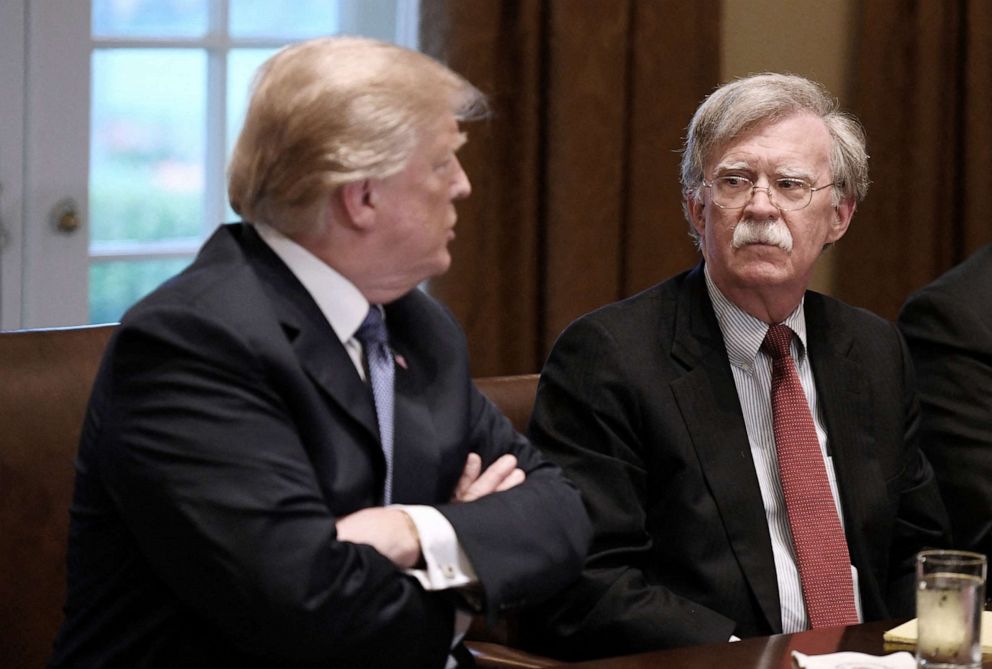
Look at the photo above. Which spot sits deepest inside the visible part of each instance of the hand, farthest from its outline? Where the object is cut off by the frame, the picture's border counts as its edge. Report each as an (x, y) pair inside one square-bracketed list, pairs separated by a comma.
[(389, 531), (501, 475)]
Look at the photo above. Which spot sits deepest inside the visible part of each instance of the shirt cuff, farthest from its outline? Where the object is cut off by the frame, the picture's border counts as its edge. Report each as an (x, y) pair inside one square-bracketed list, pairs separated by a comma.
[(447, 566)]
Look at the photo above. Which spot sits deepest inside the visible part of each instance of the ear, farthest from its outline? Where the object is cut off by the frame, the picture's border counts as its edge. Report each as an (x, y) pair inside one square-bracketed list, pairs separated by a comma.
[(843, 213), (358, 202)]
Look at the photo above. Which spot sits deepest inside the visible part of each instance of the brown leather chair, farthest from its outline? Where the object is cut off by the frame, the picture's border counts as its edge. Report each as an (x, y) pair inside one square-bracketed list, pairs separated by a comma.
[(45, 380)]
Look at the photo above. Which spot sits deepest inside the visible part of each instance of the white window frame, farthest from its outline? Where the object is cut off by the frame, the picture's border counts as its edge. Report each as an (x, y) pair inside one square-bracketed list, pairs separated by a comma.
[(43, 273), (218, 43)]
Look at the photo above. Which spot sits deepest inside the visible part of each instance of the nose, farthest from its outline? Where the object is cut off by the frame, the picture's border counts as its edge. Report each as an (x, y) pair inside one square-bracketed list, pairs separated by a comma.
[(461, 187), (760, 202)]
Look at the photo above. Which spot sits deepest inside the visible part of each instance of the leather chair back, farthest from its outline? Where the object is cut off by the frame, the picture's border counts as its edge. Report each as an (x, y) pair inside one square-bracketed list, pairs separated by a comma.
[(514, 395), (45, 380)]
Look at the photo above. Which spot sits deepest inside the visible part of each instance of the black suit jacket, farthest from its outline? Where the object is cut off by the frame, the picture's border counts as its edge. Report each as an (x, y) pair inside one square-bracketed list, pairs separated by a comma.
[(948, 326), (228, 428), (637, 402)]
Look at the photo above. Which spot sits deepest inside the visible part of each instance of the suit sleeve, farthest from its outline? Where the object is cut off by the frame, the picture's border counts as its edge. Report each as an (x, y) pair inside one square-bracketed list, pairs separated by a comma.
[(951, 345), (586, 418), (200, 455), (525, 543)]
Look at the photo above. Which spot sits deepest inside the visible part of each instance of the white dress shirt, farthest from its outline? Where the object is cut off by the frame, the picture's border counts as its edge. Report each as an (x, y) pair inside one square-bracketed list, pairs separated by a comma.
[(344, 307), (752, 369)]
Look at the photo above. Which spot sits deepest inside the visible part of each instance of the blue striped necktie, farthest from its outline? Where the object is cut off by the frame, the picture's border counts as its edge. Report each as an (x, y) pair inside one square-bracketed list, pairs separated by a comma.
[(375, 340)]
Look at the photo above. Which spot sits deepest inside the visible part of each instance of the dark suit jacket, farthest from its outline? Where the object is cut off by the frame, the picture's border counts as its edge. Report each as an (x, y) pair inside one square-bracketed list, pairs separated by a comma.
[(228, 428), (948, 326), (637, 402)]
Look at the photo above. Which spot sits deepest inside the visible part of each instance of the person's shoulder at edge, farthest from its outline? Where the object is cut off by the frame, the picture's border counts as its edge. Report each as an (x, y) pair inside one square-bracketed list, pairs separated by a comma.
[(968, 283)]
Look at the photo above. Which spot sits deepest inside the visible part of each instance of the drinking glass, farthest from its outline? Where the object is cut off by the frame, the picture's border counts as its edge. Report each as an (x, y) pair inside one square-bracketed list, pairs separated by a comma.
[(950, 594)]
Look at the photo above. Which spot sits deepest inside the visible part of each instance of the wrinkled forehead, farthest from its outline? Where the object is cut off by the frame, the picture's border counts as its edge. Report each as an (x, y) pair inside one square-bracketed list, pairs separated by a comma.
[(801, 140)]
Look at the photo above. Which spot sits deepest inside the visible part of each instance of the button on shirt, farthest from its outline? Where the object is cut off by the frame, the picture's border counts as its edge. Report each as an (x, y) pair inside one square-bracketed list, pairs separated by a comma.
[(344, 307), (742, 335)]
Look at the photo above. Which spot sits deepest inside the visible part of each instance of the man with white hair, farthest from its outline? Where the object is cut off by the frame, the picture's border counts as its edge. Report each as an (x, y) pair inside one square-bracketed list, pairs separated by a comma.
[(747, 448), (285, 462)]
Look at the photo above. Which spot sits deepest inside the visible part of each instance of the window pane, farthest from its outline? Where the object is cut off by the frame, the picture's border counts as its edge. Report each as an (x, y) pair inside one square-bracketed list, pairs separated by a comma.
[(292, 20), (150, 18), (147, 144), (117, 284)]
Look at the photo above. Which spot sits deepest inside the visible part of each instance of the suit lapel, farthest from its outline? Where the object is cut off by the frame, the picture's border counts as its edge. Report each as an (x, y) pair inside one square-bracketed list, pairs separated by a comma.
[(707, 397), (844, 402), (327, 363), (318, 349), (416, 454)]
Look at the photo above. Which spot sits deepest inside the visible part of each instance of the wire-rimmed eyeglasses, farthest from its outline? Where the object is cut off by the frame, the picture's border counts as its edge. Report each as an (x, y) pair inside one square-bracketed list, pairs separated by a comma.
[(787, 193)]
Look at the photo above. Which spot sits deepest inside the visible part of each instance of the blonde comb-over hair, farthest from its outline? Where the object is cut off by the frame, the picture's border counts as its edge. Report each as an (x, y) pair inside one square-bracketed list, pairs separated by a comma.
[(332, 111)]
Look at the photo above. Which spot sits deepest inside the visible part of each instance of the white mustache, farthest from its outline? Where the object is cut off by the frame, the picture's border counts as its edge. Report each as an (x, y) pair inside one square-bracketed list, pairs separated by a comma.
[(774, 233)]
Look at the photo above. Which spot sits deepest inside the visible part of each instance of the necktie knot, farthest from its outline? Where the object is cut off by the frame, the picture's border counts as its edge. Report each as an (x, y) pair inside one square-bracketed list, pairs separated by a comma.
[(777, 341), (373, 329)]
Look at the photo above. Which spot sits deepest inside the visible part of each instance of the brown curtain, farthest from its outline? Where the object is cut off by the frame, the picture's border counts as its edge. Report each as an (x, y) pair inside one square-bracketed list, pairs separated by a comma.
[(576, 199), (923, 89)]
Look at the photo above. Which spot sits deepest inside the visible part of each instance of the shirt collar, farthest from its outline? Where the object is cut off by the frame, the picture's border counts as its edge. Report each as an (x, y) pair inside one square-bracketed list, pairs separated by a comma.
[(342, 304), (743, 333)]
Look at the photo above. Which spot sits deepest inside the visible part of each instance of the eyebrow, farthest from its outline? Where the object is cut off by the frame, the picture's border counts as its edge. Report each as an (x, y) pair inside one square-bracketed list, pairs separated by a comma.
[(780, 172), (728, 166), (796, 172)]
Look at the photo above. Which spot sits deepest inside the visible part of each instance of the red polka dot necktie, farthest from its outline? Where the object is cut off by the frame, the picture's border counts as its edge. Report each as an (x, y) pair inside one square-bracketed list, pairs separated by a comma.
[(821, 548)]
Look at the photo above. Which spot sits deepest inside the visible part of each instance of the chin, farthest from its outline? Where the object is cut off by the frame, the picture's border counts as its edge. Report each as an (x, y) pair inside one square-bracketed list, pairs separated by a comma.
[(765, 274), (441, 266)]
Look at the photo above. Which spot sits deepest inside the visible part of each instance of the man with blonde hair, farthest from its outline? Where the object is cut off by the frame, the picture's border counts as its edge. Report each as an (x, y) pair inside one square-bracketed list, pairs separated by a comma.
[(285, 461), (747, 448)]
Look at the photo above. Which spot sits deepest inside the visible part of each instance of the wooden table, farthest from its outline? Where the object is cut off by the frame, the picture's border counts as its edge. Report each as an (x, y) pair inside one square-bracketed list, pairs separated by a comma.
[(770, 652)]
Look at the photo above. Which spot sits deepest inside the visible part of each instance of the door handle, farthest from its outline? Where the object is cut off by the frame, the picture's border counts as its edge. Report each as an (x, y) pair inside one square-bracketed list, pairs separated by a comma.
[(65, 216)]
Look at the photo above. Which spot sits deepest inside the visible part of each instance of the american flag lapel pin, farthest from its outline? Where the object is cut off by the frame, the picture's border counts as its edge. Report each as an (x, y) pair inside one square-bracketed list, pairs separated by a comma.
[(400, 360)]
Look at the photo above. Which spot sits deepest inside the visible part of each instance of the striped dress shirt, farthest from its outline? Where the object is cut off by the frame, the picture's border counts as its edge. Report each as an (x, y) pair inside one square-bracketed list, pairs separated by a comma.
[(752, 369)]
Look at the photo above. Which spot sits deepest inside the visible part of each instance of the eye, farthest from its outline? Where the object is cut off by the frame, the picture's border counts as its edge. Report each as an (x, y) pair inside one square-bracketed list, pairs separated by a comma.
[(734, 182), (445, 164), (790, 185)]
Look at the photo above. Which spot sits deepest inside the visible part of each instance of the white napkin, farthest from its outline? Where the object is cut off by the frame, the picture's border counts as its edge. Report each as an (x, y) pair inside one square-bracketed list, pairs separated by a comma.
[(900, 660)]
